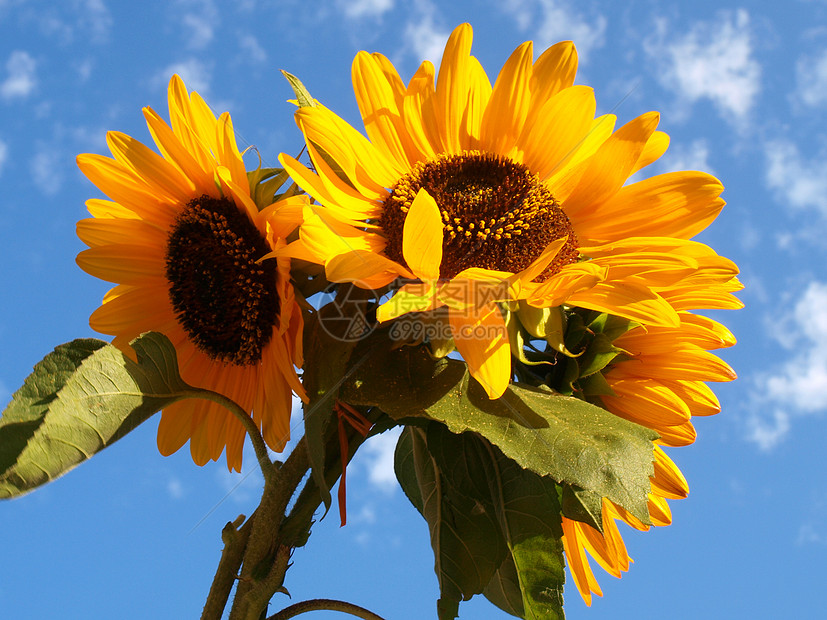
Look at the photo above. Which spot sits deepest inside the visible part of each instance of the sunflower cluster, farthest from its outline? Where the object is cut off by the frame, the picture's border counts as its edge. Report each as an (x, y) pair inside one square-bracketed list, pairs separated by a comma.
[(501, 214)]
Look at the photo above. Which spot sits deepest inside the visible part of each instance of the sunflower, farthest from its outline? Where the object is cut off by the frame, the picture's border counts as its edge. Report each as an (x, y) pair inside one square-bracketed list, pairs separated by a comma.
[(183, 240), (659, 382), (475, 196), (484, 199)]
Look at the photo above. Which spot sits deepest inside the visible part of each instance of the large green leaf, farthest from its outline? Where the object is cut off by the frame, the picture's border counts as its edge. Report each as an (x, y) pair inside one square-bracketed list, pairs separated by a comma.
[(468, 546), (570, 440), (526, 508), (495, 527), (79, 399)]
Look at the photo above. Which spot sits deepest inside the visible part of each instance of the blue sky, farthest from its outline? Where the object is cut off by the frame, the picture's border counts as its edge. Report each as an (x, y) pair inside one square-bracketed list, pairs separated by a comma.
[(742, 90)]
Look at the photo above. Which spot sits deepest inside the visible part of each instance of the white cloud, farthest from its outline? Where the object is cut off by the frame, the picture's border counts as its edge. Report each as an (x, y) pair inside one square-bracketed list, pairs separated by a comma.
[(175, 489), (692, 156), (92, 15), (811, 79), (47, 170), (252, 48), (4, 155), (796, 182), (355, 9), (713, 61), (377, 456), (20, 76), (196, 75), (550, 21), (199, 18), (798, 386), (422, 37)]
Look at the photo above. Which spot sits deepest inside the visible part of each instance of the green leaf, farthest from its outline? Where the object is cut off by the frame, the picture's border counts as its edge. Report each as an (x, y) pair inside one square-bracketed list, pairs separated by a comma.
[(527, 511), (302, 94), (519, 563), (327, 358), (583, 506), (468, 547), (331, 335), (570, 440), (80, 398)]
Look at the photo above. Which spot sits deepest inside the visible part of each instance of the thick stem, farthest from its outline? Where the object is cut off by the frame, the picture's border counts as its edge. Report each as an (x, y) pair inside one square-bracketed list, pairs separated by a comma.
[(324, 604), (235, 542), (264, 539)]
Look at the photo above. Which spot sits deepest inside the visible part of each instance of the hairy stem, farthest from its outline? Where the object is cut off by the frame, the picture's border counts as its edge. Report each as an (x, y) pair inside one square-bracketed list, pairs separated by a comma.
[(254, 589), (263, 458), (235, 542)]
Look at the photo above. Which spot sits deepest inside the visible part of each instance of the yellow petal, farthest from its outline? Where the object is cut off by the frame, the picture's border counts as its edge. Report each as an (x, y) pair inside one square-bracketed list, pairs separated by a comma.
[(610, 167), (629, 300), (676, 204), (482, 340), (378, 105), (365, 269), (452, 87), (412, 297), (562, 125), (422, 237), (507, 109), (123, 263)]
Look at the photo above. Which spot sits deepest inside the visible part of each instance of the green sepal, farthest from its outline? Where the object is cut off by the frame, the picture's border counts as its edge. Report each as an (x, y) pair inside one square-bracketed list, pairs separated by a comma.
[(79, 399), (303, 97), (598, 354), (595, 385), (265, 184)]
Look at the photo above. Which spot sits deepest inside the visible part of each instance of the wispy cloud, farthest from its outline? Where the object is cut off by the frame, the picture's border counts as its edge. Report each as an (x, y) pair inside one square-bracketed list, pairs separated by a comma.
[(799, 385), (4, 155), (21, 78), (811, 80), (550, 21), (356, 9), (251, 48), (423, 38), (175, 489), (712, 60), (377, 457), (692, 156), (47, 170), (196, 75), (796, 181), (93, 16), (198, 18)]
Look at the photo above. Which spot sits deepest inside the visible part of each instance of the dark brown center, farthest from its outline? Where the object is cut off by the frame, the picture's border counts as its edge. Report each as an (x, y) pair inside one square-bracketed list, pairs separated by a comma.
[(226, 302), (496, 214)]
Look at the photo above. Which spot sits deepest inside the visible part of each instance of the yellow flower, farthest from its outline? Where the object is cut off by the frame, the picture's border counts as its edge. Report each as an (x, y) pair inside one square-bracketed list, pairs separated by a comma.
[(182, 239), (479, 195), (659, 383)]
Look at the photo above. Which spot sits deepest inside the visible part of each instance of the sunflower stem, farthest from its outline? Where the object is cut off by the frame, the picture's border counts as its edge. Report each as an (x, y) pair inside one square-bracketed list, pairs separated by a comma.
[(324, 604), (266, 557), (235, 542), (268, 469)]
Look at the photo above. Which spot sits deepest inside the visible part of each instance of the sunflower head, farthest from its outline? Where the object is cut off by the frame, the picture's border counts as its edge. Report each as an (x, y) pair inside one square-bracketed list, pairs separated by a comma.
[(495, 214), (192, 255)]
